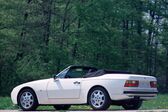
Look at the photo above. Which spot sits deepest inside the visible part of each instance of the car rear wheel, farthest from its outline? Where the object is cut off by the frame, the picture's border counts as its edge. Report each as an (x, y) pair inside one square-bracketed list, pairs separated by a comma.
[(27, 100), (132, 105), (99, 99), (62, 107)]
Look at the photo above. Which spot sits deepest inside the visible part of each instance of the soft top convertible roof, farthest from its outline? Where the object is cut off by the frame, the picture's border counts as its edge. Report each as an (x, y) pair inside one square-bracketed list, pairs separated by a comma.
[(95, 72), (85, 67), (103, 71)]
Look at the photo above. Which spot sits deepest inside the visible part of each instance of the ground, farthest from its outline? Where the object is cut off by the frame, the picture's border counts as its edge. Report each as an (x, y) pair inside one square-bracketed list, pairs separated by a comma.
[(158, 104), (157, 110)]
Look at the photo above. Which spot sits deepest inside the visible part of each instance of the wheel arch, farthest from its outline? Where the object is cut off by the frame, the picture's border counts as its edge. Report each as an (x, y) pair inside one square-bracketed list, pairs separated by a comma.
[(93, 88), (27, 87)]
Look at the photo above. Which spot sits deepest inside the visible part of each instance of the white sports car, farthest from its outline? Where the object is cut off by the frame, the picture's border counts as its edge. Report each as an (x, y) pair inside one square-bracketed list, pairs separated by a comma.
[(86, 85)]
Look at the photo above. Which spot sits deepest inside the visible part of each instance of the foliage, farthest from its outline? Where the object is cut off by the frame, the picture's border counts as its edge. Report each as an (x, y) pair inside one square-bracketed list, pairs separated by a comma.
[(41, 37)]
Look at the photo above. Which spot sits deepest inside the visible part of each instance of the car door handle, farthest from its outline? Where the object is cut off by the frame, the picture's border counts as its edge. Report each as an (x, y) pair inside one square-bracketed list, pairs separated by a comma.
[(76, 82)]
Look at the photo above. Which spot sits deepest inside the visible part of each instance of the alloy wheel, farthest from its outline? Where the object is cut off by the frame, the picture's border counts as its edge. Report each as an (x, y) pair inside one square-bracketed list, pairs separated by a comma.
[(27, 100), (97, 98)]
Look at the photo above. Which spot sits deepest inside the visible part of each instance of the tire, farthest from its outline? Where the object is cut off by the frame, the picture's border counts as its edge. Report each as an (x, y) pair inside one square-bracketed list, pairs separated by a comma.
[(132, 105), (27, 100), (99, 99), (62, 107)]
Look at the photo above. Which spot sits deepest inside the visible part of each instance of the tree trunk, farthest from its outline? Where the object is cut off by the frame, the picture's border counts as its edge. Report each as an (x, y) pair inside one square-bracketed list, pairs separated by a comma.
[(75, 46), (22, 36), (125, 43), (155, 59), (63, 30), (0, 76), (166, 70), (149, 44), (47, 6)]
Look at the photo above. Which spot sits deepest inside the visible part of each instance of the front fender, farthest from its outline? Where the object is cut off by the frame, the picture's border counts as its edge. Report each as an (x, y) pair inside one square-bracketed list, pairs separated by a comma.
[(15, 93), (39, 87)]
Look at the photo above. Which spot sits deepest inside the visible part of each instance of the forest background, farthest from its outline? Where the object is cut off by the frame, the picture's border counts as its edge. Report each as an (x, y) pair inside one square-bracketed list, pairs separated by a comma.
[(41, 37)]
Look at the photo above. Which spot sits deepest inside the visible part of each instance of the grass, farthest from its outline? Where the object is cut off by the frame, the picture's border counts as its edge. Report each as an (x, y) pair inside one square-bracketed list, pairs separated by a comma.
[(6, 103), (161, 102)]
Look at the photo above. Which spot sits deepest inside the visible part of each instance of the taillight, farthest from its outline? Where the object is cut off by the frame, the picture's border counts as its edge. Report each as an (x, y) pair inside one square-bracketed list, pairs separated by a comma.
[(131, 83), (153, 84)]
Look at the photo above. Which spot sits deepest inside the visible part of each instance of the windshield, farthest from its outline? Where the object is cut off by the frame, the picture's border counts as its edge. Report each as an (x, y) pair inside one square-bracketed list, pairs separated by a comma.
[(62, 73)]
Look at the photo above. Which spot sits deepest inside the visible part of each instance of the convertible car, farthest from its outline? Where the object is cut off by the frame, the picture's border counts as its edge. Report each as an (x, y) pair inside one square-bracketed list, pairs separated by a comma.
[(86, 85)]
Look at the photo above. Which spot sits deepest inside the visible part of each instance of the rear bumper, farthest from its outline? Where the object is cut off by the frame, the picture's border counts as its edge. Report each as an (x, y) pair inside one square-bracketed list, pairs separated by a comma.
[(144, 95)]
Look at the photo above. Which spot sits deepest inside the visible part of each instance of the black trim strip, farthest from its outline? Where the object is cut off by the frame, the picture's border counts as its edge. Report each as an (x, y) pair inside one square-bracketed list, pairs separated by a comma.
[(145, 96), (139, 92)]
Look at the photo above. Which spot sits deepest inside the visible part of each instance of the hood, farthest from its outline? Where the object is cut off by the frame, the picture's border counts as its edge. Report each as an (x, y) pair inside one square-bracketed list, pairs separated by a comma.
[(38, 81), (35, 84)]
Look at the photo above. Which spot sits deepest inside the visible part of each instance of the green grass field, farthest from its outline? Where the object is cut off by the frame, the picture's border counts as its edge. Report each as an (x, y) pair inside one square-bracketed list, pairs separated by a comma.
[(161, 102)]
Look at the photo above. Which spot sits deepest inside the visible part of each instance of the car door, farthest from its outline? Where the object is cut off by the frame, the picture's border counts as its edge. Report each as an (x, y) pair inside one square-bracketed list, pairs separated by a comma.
[(67, 87), (64, 88)]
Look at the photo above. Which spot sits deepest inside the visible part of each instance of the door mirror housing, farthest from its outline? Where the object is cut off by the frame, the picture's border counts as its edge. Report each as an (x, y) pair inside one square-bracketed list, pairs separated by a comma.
[(55, 76)]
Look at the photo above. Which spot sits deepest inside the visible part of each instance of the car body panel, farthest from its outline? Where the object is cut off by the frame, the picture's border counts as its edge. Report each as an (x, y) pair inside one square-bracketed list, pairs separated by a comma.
[(39, 88), (75, 90), (59, 88)]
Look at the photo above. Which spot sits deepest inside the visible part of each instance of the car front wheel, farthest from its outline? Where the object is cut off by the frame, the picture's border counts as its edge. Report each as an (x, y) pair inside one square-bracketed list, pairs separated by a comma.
[(27, 100), (132, 105), (99, 99)]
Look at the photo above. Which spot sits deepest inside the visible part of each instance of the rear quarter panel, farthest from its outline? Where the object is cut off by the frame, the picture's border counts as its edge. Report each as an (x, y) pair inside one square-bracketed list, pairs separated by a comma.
[(114, 87)]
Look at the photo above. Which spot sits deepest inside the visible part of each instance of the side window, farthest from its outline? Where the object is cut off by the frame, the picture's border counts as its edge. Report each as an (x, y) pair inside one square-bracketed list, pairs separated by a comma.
[(75, 73)]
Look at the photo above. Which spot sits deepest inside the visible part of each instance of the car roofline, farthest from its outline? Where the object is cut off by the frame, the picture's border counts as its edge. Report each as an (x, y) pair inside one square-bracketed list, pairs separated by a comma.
[(81, 66)]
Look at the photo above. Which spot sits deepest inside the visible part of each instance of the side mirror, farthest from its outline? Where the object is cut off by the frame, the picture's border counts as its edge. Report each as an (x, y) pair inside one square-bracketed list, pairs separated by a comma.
[(55, 76)]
